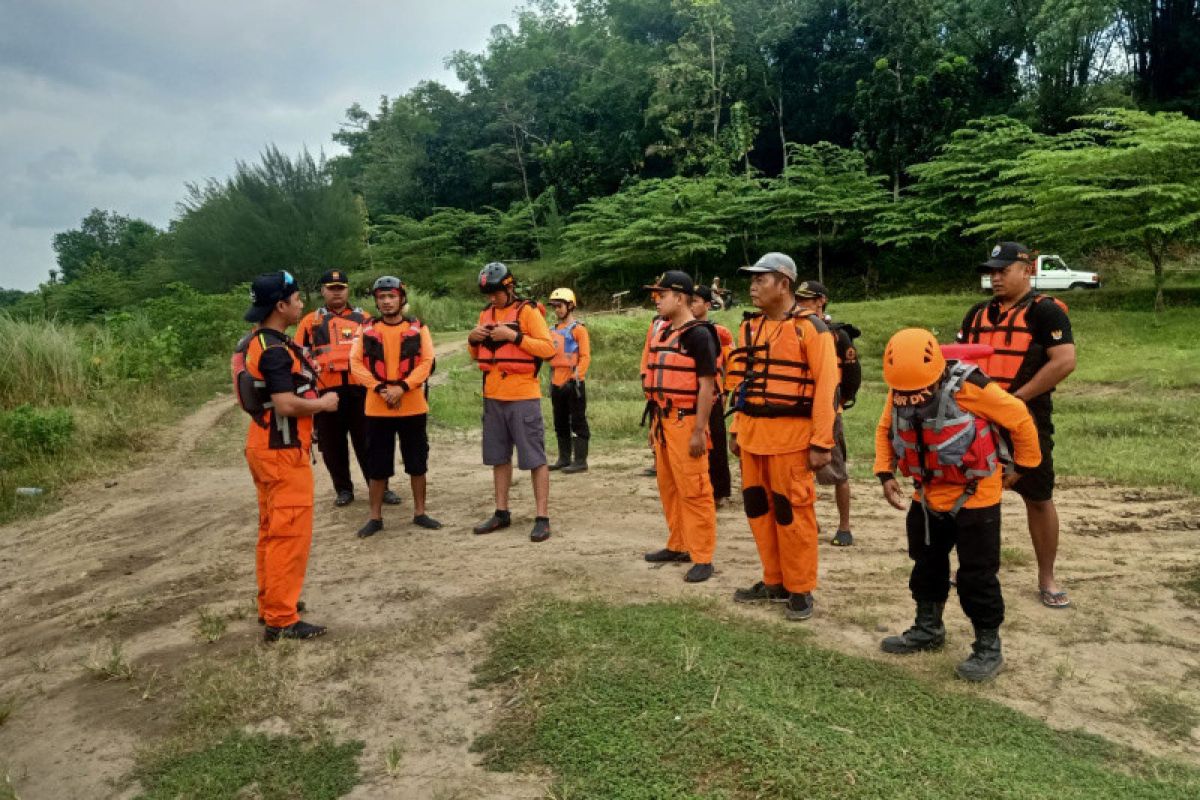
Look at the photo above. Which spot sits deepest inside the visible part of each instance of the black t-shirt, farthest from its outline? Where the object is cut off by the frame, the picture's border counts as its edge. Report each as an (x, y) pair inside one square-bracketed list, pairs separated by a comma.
[(276, 366), (700, 344)]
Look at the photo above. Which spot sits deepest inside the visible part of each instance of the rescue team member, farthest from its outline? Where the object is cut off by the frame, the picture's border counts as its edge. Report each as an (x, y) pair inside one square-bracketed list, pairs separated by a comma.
[(392, 358), (681, 382), (510, 343), (275, 384), (328, 333), (718, 454), (1033, 352), (568, 395), (812, 297), (784, 373), (937, 427)]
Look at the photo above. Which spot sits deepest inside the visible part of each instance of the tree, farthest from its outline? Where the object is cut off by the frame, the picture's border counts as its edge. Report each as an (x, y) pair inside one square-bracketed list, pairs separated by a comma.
[(106, 239), (1128, 179), (1163, 37)]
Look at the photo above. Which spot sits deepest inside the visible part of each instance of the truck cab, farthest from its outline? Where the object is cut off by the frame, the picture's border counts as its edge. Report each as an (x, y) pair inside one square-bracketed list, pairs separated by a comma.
[(1051, 272)]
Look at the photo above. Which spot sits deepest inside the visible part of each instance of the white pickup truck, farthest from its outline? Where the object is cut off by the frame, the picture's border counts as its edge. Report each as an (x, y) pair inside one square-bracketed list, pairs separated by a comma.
[(1053, 273)]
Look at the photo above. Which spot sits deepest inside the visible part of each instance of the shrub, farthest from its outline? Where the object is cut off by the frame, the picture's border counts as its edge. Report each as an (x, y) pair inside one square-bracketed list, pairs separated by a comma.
[(27, 432)]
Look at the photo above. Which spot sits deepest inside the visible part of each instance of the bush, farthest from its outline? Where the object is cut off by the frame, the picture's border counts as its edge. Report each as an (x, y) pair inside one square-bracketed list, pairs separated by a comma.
[(27, 432)]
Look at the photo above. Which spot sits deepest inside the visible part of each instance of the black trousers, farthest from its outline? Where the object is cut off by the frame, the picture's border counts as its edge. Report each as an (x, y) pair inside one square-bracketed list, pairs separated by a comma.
[(718, 456), (976, 533), (332, 429), (569, 402)]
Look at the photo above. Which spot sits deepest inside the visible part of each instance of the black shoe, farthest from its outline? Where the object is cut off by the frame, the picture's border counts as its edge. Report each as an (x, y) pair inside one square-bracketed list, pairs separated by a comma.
[(650, 472), (541, 530), (579, 464), (299, 610), (372, 527), (762, 593), (842, 539), (344, 498), (699, 573), (800, 606), (426, 521), (501, 519), (390, 498), (985, 661), (666, 555), (927, 632), (297, 630), (564, 453)]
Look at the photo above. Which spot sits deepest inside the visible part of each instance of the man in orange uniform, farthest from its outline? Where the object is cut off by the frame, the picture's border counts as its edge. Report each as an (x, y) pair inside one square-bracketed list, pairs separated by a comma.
[(718, 455), (392, 358), (1034, 352), (938, 428), (275, 385), (784, 376), (328, 334), (509, 344), (681, 373), (568, 395), (656, 325)]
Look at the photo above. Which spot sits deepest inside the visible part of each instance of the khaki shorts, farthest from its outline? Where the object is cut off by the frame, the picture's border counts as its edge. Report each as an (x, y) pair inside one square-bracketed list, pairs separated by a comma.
[(835, 472)]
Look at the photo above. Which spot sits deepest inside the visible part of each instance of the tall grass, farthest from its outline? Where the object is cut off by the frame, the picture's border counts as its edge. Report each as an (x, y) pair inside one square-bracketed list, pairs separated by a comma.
[(45, 363)]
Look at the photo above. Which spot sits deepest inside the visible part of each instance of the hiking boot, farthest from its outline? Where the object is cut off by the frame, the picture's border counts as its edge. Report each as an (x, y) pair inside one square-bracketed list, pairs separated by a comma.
[(390, 498), (299, 610), (564, 453), (541, 529), (799, 607), (297, 630), (344, 498), (427, 522), (985, 661), (372, 527), (501, 519), (926, 633), (580, 462), (699, 573), (666, 555), (762, 593), (842, 539)]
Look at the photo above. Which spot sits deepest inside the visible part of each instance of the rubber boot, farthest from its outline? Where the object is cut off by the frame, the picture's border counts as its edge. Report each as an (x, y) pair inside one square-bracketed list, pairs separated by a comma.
[(564, 453), (927, 632), (985, 661), (580, 462)]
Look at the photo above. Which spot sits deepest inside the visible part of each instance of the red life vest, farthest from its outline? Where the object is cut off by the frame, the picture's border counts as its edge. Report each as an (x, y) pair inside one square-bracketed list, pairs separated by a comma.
[(506, 357), (1014, 352), (671, 380), (410, 350), (250, 387), (332, 335), (776, 380)]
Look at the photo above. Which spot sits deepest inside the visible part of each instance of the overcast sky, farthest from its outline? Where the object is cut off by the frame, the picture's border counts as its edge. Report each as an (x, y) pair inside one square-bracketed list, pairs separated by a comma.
[(117, 104)]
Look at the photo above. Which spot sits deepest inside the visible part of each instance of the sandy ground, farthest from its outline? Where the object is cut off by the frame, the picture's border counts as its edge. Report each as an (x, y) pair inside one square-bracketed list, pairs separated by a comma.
[(409, 609)]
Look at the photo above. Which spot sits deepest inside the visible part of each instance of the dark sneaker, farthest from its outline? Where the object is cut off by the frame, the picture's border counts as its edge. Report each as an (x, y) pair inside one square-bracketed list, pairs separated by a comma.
[(842, 539), (344, 498), (699, 573), (427, 522), (800, 606), (650, 472), (300, 607), (762, 593), (297, 630), (501, 519), (541, 530), (372, 527), (390, 498), (666, 555)]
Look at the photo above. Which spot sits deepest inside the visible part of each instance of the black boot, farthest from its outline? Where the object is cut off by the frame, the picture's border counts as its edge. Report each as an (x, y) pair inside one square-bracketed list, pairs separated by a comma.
[(580, 462), (985, 661), (564, 453), (927, 633)]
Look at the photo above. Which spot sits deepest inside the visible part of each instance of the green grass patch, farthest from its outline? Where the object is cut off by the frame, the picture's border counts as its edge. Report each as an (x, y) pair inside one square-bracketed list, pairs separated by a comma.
[(256, 765), (670, 701), (1170, 716)]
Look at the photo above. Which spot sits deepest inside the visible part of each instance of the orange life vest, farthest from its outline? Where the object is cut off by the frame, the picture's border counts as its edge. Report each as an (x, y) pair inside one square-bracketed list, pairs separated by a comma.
[(566, 346), (332, 335), (776, 380), (670, 380), (1014, 353), (410, 350), (506, 357), (250, 387)]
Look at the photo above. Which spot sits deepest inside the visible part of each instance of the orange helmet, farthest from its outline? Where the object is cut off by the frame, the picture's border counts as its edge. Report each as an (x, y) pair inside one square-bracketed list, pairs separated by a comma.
[(912, 360)]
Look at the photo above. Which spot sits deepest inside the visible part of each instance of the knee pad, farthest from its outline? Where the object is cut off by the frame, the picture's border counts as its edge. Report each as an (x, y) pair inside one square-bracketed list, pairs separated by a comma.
[(754, 499), (783, 509)]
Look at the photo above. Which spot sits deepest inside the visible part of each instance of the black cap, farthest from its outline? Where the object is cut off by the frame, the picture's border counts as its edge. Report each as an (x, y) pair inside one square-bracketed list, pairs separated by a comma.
[(266, 291), (704, 293), (673, 280), (1004, 254), (335, 277), (812, 289)]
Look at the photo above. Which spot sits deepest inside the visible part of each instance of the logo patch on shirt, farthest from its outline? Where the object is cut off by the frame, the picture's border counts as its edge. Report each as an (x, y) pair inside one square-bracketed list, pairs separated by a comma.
[(1056, 335), (851, 354)]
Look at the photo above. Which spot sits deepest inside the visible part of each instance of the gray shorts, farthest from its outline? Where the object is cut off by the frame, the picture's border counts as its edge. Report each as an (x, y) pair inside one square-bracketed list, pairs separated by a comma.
[(509, 423), (835, 472)]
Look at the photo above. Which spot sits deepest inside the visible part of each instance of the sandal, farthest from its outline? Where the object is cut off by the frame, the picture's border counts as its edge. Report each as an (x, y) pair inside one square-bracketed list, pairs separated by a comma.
[(1054, 599)]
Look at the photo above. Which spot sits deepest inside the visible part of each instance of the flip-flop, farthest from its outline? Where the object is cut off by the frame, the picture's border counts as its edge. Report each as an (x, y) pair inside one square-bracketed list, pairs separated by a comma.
[(1054, 599)]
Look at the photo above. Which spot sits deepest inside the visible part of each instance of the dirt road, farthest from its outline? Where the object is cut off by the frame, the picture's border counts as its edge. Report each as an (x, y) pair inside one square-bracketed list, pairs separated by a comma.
[(134, 563)]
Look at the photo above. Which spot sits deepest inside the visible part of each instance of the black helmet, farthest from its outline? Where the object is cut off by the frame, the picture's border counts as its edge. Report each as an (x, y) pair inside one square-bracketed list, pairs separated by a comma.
[(389, 282), (494, 277)]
